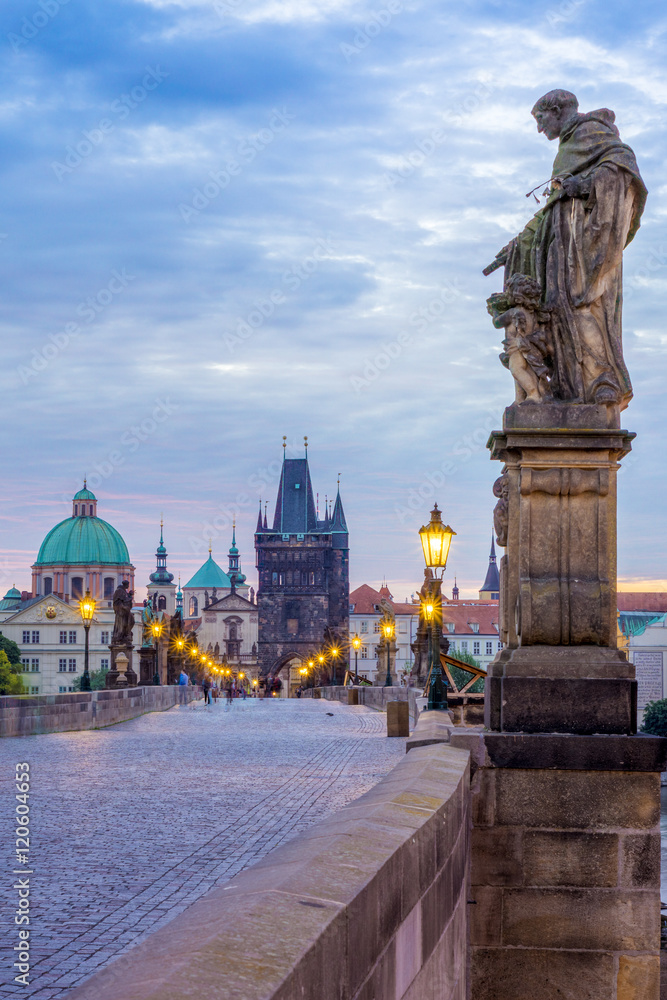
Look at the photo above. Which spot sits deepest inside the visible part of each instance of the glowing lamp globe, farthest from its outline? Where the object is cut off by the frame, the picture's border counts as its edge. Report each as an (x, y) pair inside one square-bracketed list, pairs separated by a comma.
[(436, 538), (87, 607)]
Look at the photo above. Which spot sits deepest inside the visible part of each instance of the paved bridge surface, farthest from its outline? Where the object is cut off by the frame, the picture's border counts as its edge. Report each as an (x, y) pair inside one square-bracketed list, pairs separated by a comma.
[(131, 824)]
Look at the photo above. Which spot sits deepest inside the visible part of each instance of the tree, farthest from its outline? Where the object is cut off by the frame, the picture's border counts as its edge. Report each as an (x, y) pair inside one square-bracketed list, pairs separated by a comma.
[(655, 718), (462, 676), (10, 682), (11, 649), (97, 680)]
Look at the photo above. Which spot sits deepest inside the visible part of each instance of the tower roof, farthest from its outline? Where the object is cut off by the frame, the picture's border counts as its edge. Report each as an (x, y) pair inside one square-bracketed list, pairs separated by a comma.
[(492, 580), (208, 576), (338, 519), (84, 494), (295, 505), (82, 541)]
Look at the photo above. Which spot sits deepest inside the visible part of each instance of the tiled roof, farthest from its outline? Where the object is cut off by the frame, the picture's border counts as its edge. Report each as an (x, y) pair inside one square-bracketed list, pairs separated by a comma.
[(461, 613), (638, 601)]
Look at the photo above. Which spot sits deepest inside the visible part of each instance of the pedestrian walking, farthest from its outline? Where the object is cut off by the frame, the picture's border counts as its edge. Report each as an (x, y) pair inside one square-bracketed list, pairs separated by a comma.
[(228, 692), (206, 687), (215, 692)]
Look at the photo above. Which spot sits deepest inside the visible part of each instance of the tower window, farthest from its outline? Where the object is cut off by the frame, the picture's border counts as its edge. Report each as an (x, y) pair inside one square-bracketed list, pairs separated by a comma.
[(76, 508), (194, 607), (48, 585), (77, 586), (108, 586), (162, 603), (274, 579), (90, 510)]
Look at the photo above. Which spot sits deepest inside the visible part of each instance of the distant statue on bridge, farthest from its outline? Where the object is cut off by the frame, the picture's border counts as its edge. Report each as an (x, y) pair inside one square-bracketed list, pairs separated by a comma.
[(124, 619)]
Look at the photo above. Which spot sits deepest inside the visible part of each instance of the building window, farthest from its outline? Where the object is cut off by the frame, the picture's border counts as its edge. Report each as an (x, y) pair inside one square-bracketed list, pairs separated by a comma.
[(48, 585), (312, 579), (62, 666), (464, 646), (364, 652), (34, 666), (500, 645), (29, 665), (475, 648), (34, 690), (34, 637), (90, 510), (274, 579), (376, 626), (289, 578), (474, 626), (77, 586), (364, 627), (26, 637), (281, 579), (72, 637), (71, 666), (489, 649), (76, 509), (108, 586), (104, 638), (194, 607), (63, 638), (64, 690), (162, 603), (104, 663)]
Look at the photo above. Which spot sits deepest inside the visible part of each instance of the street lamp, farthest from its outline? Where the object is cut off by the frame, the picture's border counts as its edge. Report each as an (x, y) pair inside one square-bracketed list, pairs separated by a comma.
[(87, 610), (436, 539), (156, 630), (388, 632), (334, 652), (356, 645)]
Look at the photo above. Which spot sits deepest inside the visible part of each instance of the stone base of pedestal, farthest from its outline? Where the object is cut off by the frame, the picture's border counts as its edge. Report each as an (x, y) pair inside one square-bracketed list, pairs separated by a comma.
[(566, 867), (111, 679), (561, 689), (398, 718)]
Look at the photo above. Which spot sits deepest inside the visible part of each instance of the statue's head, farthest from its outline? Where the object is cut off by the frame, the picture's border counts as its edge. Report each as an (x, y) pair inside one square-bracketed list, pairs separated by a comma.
[(125, 584), (553, 110)]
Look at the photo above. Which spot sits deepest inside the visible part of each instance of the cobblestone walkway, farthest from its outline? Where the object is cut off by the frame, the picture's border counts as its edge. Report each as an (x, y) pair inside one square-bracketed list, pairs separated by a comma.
[(131, 824)]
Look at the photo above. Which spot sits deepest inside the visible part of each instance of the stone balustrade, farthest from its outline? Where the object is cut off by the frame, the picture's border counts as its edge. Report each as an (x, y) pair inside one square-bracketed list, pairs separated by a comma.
[(58, 713)]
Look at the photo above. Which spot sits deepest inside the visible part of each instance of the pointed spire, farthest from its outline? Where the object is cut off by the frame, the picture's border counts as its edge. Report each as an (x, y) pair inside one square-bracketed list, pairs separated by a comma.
[(259, 517), (491, 585), (210, 547), (305, 445), (338, 523), (492, 556), (266, 523)]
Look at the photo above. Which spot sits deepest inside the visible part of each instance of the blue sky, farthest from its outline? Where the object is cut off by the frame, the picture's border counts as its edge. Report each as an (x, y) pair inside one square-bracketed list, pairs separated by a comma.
[(227, 221)]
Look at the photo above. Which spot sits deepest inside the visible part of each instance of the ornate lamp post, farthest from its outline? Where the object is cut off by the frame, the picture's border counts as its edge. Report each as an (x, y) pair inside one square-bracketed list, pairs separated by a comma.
[(86, 610), (388, 632), (334, 651), (436, 539), (356, 645), (156, 632)]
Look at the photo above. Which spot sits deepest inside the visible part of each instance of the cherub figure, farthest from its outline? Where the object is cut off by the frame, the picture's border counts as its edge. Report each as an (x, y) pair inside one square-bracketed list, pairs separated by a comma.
[(527, 351)]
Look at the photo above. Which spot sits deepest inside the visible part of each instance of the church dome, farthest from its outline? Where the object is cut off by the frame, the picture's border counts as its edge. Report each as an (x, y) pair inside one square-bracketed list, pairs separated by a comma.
[(208, 576), (82, 541)]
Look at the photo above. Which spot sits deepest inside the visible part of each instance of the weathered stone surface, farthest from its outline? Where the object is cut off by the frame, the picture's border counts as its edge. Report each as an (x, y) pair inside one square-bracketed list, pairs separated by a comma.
[(582, 800), (562, 858), (497, 856), (581, 753), (535, 974), (640, 861), (638, 977), (398, 718), (485, 915), (591, 919), (564, 705)]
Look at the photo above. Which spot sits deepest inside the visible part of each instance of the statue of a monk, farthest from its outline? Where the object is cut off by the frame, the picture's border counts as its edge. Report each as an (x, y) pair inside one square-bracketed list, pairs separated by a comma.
[(573, 248), (124, 619)]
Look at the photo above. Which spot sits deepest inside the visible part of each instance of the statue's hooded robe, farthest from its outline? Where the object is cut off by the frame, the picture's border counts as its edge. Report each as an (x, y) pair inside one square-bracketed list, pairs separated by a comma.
[(574, 248)]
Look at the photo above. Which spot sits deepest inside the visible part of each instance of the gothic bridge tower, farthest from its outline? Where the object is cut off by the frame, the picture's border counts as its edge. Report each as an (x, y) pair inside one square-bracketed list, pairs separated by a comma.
[(303, 571)]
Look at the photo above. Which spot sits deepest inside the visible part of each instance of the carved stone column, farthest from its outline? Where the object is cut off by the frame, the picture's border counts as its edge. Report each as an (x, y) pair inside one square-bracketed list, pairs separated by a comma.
[(560, 670)]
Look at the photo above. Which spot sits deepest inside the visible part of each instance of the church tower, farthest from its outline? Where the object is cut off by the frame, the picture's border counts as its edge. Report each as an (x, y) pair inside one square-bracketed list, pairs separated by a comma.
[(303, 571), (162, 589), (490, 589)]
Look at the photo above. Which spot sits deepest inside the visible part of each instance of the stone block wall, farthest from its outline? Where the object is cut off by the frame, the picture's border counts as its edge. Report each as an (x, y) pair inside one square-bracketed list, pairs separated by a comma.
[(370, 904), (566, 868), (57, 713)]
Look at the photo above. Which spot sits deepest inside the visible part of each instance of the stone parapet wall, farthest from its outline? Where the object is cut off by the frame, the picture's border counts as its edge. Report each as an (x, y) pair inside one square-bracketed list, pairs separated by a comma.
[(57, 713), (374, 697), (370, 903)]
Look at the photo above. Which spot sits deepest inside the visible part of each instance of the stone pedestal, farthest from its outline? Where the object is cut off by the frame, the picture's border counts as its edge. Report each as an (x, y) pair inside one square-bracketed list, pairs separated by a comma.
[(398, 718), (129, 677), (560, 670), (565, 873)]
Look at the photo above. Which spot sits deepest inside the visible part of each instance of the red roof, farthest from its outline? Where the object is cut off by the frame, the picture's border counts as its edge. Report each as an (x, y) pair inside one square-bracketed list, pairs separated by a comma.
[(461, 613), (638, 601)]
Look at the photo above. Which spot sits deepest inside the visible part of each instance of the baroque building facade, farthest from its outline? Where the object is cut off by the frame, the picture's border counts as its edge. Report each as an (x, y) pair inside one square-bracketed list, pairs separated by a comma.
[(303, 573)]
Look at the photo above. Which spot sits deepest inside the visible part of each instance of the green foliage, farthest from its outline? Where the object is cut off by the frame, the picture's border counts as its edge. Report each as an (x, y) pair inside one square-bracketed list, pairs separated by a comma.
[(11, 649), (10, 682), (655, 718), (97, 680), (462, 676)]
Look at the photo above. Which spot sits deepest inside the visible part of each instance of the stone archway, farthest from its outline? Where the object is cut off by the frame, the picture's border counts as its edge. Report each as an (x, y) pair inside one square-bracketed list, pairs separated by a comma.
[(287, 666)]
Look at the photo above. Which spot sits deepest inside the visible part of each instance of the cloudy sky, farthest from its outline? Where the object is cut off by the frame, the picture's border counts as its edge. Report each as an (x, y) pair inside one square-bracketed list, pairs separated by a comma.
[(227, 221)]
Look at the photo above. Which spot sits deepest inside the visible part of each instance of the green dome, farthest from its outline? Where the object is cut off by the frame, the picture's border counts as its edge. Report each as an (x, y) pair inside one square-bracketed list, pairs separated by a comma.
[(83, 541), (84, 494), (10, 600), (209, 575)]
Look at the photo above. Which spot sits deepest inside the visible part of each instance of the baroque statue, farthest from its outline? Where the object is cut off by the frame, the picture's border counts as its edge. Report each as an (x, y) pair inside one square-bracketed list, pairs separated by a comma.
[(561, 302), (124, 619)]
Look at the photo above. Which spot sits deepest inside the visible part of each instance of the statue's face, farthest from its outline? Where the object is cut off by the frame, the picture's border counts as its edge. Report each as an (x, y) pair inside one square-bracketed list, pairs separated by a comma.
[(549, 121)]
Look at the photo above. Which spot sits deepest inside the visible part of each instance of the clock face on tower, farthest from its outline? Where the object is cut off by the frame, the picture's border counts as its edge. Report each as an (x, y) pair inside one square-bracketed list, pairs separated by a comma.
[(50, 612)]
